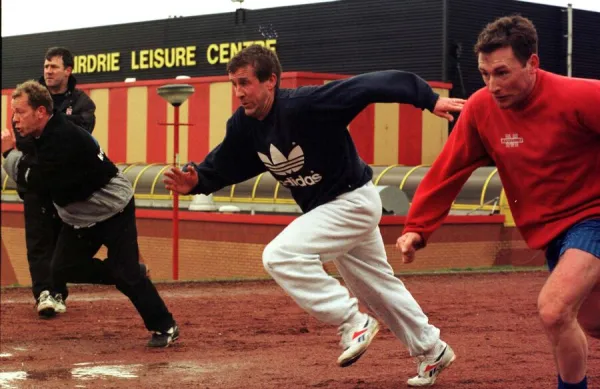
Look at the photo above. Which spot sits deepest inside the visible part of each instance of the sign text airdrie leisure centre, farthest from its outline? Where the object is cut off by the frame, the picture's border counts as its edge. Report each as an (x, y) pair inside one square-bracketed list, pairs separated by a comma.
[(159, 58)]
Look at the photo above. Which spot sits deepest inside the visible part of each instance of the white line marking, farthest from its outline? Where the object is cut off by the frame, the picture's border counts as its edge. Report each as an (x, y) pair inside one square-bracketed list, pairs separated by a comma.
[(95, 372), (8, 377)]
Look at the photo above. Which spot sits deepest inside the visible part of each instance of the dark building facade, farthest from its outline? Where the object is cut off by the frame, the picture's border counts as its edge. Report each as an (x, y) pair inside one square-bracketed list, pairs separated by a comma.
[(433, 38), (466, 18)]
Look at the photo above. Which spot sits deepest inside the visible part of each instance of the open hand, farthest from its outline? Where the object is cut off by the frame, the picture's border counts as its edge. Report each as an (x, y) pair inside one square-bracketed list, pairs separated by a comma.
[(408, 244), (181, 182), (445, 105), (8, 140)]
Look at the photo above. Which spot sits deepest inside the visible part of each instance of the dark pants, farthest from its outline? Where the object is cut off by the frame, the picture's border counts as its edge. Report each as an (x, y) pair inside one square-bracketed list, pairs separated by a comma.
[(74, 262), (42, 227)]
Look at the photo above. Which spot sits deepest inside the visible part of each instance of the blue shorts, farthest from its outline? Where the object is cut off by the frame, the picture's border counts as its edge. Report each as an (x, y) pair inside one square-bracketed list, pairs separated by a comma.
[(584, 236)]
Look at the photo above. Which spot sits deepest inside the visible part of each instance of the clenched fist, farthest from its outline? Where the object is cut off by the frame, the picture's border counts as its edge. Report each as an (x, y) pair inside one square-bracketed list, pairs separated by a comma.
[(8, 140), (408, 244)]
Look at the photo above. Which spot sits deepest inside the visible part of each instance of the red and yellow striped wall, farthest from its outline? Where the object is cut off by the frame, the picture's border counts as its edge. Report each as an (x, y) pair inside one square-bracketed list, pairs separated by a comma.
[(131, 117)]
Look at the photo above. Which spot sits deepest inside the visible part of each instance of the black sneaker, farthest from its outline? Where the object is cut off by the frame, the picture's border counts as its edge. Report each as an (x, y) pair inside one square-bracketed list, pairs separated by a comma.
[(164, 338)]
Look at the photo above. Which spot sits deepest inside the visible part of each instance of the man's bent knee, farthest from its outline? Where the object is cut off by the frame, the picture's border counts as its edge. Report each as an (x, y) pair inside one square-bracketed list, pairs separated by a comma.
[(269, 257), (278, 257), (554, 316)]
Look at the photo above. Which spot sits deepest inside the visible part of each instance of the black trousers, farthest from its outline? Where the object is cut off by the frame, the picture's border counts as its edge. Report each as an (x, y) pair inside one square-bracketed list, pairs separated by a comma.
[(42, 227), (74, 262)]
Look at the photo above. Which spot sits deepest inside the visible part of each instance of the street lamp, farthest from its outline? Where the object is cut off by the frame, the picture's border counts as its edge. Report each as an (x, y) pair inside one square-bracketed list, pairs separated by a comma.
[(175, 94)]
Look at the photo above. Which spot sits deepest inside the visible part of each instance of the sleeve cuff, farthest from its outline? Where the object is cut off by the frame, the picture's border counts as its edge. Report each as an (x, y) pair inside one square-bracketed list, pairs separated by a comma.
[(5, 154), (433, 101)]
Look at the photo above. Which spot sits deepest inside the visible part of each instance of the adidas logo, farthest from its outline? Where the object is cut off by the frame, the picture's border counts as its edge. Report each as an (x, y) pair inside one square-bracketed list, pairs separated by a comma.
[(281, 165)]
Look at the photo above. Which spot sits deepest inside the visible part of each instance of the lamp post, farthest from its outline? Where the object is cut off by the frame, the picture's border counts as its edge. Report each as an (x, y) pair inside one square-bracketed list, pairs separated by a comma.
[(175, 94)]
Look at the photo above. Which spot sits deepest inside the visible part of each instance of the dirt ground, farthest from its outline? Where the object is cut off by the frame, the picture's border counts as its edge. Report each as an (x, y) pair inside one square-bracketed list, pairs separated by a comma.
[(251, 335)]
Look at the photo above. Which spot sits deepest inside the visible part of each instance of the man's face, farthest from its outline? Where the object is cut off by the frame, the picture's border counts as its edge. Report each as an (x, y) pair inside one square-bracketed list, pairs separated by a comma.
[(506, 78), (55, 74), (254, 95), (27, 120)]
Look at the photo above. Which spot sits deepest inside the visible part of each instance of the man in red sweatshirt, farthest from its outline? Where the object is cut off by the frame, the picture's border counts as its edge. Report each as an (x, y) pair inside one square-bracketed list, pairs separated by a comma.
[(542, 131)]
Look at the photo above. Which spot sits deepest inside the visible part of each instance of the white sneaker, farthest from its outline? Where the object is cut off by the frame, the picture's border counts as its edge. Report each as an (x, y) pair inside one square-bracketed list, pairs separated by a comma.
[(46, 305), (431, 366), (356, 340), (59, 304)]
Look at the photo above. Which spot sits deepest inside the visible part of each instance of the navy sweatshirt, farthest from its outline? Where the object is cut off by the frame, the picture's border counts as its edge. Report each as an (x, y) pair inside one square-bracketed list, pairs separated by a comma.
[(304, 142)]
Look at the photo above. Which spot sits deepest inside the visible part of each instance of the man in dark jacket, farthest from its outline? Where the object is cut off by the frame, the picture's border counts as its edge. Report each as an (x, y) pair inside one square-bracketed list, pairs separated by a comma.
[(93, 199), (42, 224), (301, 137)]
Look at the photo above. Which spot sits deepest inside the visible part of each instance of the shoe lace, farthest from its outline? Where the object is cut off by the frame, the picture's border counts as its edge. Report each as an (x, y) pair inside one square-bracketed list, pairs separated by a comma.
[(168, 332), (344, 331), (43, 297), (423, 359)]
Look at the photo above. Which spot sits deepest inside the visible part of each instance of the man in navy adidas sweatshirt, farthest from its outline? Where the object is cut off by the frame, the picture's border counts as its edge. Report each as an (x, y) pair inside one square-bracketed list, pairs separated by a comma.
[(300, 136)]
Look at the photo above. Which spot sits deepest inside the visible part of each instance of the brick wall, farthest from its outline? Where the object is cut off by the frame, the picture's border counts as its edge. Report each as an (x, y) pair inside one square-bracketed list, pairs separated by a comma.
[(230, 246)]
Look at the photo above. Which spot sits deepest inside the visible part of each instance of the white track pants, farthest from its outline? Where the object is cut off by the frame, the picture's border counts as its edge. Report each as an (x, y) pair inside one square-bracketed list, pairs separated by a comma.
[(346, 231)]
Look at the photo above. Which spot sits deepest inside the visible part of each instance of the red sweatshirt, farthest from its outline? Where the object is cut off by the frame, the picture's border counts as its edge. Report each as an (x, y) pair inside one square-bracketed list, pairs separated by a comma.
[(547, 154)]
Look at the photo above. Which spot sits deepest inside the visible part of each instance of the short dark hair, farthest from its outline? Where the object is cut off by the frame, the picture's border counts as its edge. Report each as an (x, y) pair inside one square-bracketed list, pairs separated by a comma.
[(263, 60), (37, 95), (62, 52), (515, 31)]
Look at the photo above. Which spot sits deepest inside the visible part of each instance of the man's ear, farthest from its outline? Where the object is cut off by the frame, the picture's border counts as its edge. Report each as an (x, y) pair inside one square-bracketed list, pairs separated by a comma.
[(68, 70), (40, 112), (272, 81), (533, 62)]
